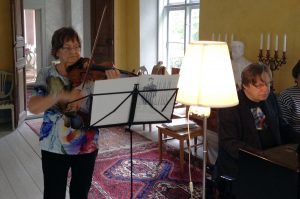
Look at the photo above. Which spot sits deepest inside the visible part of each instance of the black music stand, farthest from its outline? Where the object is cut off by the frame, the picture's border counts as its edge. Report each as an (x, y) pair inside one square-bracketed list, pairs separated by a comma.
[(135, 100)]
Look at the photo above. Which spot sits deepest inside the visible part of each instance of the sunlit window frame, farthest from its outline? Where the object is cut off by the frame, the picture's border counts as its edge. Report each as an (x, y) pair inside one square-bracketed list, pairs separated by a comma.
[(164, 7)]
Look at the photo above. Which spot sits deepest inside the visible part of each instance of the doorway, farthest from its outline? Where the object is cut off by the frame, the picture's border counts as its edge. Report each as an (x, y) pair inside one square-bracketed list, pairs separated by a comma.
[(32, 30), (30, 46)]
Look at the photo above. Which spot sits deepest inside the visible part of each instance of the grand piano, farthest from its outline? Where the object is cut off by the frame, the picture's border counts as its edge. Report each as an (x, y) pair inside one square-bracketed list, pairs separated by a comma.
[(273, 173)]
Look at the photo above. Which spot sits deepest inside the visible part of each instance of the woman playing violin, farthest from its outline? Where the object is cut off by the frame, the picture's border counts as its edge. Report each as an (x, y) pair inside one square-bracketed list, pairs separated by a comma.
[(63, 146)]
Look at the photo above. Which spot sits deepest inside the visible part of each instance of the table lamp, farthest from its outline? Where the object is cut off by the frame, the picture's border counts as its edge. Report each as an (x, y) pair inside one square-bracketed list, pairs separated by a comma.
[(206, 79)]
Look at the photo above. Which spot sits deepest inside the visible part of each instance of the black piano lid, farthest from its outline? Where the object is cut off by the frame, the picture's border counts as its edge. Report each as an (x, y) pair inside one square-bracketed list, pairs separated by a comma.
[(286, 156)]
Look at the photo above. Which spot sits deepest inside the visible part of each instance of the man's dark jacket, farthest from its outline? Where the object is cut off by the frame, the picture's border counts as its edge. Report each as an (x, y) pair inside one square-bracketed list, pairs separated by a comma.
[(237, 130)]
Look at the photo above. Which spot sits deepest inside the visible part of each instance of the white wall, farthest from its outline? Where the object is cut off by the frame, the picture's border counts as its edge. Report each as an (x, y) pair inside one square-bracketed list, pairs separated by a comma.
[(78, 16), (56, 14), (148, 33), (54, 18)]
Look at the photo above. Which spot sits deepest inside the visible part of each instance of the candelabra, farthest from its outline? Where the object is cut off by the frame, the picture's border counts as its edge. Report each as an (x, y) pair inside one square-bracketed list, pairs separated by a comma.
[(273, 62)]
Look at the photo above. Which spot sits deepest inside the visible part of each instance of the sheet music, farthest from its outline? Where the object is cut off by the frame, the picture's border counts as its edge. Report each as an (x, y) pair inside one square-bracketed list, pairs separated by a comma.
[(104, 104), (112, 101), (144, 112)]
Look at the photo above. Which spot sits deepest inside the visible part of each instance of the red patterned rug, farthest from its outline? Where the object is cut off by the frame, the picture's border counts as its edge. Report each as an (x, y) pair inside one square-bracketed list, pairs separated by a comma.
[(112, 138), (111, 177)]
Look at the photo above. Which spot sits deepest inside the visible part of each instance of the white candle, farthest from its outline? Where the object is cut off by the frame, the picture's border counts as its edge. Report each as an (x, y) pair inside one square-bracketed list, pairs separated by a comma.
[(284, 43), (276, 42), (261, 41), (219, 37), (225, 37), (268, 42), (213, 36)]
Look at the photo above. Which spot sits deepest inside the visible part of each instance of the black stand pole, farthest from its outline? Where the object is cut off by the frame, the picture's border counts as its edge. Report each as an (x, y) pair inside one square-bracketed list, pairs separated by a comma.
[(131, 167), (130, 122), (131, 163)]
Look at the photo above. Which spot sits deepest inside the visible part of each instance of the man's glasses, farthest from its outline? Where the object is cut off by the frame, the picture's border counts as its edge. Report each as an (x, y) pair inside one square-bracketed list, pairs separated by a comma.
[(262, 85), (69, 49)]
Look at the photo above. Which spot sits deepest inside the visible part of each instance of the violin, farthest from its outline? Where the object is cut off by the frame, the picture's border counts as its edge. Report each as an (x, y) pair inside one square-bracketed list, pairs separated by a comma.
[(78, 74)]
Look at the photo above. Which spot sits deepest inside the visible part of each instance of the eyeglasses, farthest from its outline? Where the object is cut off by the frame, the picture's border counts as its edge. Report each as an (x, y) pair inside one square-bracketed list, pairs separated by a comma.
[(261, 85), (69, 49)]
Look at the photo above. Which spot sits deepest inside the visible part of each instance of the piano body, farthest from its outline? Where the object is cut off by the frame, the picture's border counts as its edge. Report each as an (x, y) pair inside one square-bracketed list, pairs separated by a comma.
[(273, 173)]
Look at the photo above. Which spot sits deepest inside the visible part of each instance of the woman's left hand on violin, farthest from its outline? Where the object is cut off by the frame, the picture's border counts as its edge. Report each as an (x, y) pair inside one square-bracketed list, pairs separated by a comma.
[(112, 74)]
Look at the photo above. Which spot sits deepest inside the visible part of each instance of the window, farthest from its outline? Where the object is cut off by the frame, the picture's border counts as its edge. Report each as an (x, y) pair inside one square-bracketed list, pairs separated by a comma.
[(178, 26)]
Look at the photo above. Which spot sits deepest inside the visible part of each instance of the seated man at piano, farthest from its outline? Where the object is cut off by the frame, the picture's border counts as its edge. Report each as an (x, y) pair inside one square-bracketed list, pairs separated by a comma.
[(255, 122)]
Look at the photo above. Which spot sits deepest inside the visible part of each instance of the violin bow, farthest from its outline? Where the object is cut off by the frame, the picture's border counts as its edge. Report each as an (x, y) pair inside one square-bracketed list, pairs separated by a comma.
[(94, 47)]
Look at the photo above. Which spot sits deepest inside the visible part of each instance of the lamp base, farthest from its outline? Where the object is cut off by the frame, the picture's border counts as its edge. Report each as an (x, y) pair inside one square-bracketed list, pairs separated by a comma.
[(204, 157), (203, 112)]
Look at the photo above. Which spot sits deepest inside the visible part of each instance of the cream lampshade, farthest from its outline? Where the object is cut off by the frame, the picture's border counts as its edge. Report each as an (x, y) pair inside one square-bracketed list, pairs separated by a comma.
[(206, 79)]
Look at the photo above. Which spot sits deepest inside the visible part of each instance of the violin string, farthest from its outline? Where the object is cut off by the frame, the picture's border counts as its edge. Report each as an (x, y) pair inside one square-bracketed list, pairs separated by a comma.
[(94, 46)]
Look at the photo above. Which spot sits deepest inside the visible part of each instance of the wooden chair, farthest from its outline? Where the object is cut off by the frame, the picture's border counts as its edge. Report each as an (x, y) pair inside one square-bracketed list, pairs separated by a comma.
[(6, 88), (143, 70), (175, 71), (159, 69)]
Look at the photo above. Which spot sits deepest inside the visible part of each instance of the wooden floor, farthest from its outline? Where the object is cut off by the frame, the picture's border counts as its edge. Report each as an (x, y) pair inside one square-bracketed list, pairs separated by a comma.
[(20, 162), (20, 165), (21, 174)]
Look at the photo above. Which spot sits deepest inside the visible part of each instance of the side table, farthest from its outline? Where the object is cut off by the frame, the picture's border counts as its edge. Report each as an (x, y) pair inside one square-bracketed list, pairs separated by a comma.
[(181, 135)]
